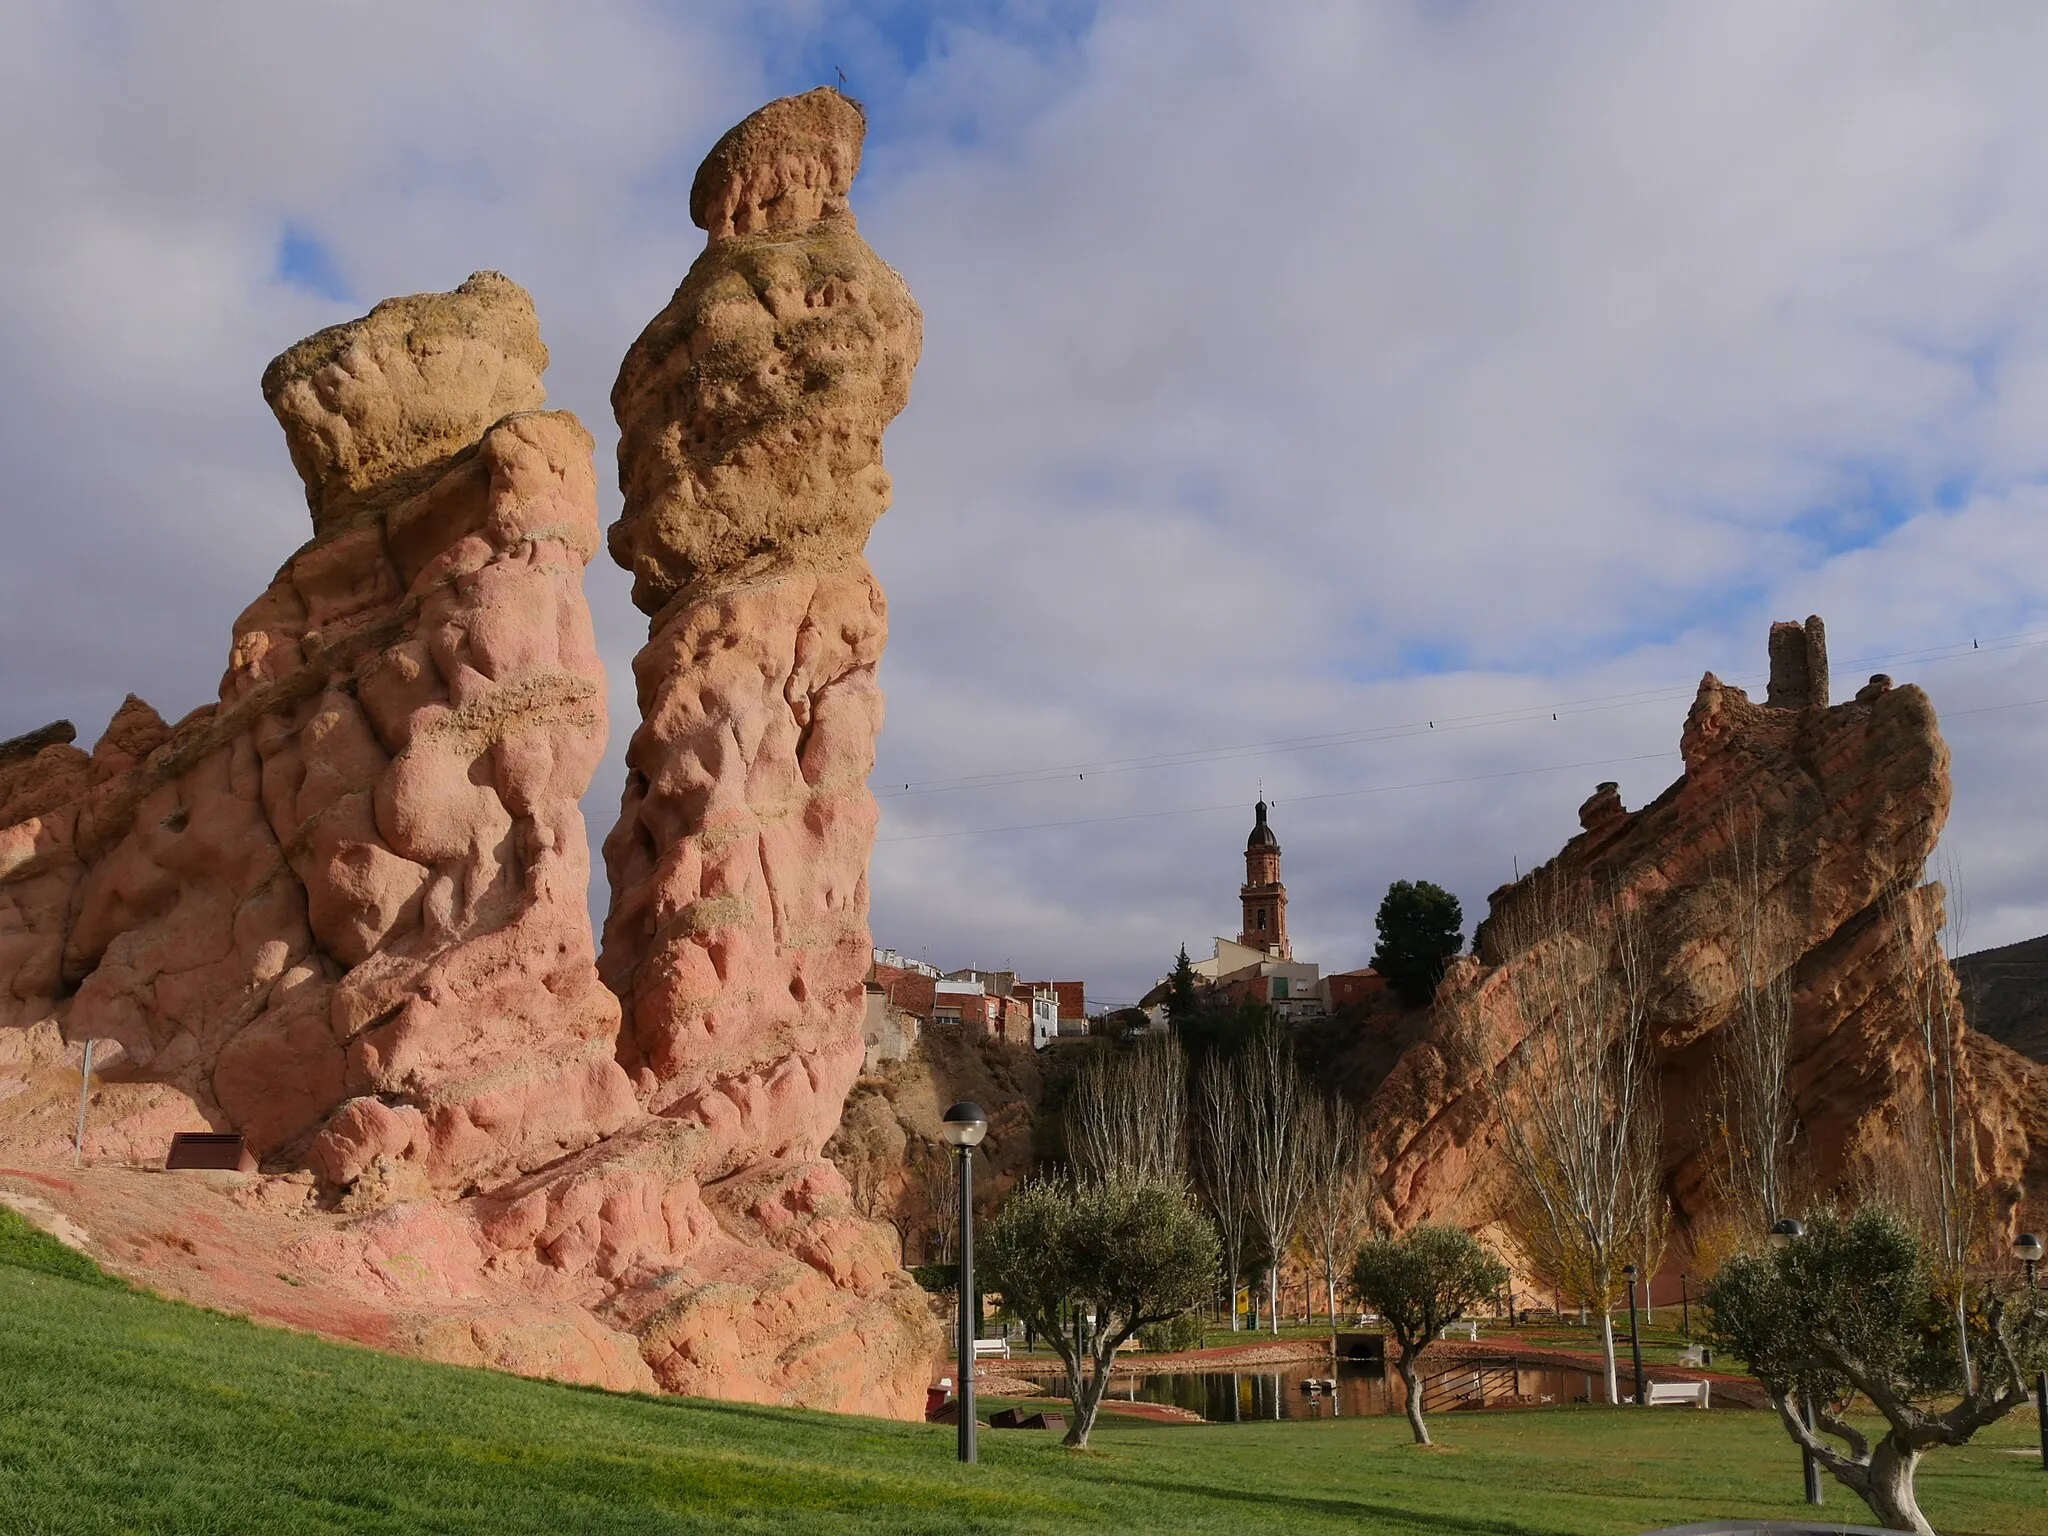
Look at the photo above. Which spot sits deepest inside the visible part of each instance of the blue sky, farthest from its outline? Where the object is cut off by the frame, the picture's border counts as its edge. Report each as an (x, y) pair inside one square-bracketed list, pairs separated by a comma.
[(1297, 371), (304, 262)]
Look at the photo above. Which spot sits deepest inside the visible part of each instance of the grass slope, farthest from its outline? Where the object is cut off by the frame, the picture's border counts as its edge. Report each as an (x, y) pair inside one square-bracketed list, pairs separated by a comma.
[(121, 1412)]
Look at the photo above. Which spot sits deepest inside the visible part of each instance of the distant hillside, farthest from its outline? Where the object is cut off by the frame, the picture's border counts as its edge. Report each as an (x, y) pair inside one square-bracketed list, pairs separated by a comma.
[(2005, 995)]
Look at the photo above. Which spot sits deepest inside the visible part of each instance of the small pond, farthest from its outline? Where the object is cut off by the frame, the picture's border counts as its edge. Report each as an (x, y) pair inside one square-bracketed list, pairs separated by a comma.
[(1278, 1393)]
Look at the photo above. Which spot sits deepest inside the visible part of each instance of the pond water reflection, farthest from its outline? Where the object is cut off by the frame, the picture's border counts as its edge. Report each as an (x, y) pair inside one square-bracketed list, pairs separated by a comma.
[(1240, 1396)]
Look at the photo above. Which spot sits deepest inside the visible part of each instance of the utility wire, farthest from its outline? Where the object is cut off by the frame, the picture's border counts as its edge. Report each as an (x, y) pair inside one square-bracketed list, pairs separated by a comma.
[(1514, 715), (1340, 794), (1333, 794)]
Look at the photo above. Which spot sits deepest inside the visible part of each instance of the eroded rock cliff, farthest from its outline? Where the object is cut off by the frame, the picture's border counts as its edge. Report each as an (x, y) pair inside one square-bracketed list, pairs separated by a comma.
[(1834, 811), (342, 911)]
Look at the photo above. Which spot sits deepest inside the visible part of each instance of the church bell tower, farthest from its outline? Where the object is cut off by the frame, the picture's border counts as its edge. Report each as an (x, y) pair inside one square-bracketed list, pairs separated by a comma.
[(1264, 897)]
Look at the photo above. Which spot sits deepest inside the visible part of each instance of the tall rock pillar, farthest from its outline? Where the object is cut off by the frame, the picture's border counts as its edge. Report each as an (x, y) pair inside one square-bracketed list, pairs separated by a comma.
[(751, 413)]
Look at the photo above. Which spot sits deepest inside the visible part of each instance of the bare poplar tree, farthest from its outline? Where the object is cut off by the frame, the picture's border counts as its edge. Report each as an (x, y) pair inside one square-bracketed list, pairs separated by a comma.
[(1939, 1189), (1574, 1093), (1128, 1112), (1751, 1171), (1222, 1166), (1337, 1202), (1277, 1108), (1649, 1228)]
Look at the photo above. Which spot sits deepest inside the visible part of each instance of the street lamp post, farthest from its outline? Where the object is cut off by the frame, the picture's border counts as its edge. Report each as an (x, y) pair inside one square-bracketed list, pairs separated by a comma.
[(1685, 1303), (964, 1126), (2027, 1249), (1635, 1343), (1789, 1229)]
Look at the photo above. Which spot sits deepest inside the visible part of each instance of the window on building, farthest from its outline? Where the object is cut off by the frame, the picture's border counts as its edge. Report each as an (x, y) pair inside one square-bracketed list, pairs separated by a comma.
[(1280, 989), (1262, 922)]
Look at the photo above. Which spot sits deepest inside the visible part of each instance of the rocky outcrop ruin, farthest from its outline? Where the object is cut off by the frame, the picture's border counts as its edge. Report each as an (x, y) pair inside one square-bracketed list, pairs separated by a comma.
[(1837, 808), (343, 910)]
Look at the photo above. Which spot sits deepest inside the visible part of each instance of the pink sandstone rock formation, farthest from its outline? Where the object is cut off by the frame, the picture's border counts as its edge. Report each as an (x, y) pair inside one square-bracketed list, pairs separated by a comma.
[(751, 413), (342, 911), (1841, 807)]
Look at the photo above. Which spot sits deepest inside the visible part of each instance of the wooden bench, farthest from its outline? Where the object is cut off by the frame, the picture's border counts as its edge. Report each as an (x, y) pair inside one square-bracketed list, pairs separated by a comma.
[(1659, 1393), (991, 1349), (1017, 1418), (210, 1149)]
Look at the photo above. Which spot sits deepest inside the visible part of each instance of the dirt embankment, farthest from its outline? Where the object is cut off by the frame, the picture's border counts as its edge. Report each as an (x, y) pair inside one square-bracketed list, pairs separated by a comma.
[(889, 1147)]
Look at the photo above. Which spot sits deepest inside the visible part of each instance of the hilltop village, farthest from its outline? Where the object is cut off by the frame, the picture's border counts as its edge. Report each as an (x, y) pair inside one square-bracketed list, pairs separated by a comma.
[(906, 996)]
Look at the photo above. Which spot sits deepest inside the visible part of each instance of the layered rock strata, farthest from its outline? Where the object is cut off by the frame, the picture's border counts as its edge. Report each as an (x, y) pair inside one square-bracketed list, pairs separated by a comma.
[(751, 413), (1836, 810)]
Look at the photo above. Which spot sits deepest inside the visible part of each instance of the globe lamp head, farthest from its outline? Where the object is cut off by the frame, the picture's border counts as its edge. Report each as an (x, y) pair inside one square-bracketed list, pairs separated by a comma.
[(965, 1124)]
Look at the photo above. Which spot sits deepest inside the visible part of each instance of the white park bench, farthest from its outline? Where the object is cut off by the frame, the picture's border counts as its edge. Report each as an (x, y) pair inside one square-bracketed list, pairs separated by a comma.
[(991, 1349), (1695, 1355), (1471, 1327), (1661, 1392)]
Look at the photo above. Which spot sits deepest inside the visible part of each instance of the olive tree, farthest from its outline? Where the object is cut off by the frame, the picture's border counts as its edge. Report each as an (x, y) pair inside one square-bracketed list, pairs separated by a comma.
[(1124, 1252), (1856, 1307), (1418, 1284)]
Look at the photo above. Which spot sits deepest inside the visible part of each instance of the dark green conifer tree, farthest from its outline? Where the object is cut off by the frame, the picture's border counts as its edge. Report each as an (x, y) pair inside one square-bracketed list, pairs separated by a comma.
[(1421, 928), (1182, 1001)]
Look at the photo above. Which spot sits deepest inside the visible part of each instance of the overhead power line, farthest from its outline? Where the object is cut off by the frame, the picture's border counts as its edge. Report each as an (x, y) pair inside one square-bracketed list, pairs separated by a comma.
[(1341, 794), (1513, 715), (1333, 794)]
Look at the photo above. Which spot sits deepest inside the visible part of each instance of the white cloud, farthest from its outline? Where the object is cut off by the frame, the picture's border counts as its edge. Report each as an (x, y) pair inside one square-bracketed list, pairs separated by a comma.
[(1287, 371)]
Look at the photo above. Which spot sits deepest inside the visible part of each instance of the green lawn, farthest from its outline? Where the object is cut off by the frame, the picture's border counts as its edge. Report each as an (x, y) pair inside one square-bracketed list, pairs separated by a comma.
[(120, 1412)]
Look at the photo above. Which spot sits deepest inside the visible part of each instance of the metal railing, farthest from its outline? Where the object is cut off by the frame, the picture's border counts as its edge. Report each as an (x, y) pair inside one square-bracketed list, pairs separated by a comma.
[(1469, 1387)]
